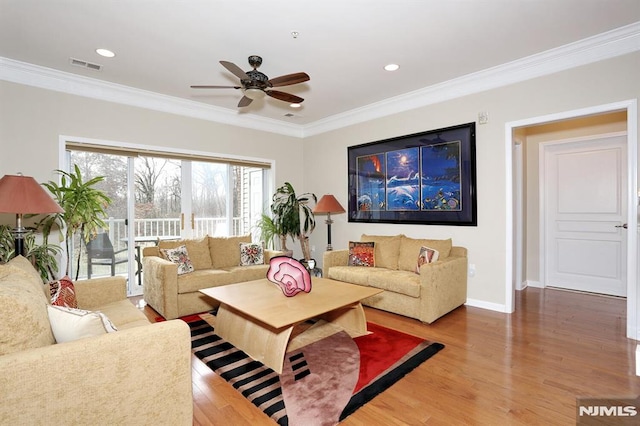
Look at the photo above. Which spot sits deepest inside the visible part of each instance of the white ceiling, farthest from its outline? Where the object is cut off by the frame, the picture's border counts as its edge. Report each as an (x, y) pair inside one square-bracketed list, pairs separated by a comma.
[(164, 46)]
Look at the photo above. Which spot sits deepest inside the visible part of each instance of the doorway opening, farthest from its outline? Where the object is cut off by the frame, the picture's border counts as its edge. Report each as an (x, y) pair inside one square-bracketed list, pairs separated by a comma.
[(525, 255)]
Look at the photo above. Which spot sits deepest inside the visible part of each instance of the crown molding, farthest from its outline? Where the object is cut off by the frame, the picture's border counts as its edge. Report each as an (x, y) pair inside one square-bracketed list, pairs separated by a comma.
[(59, 81), (603, 46)]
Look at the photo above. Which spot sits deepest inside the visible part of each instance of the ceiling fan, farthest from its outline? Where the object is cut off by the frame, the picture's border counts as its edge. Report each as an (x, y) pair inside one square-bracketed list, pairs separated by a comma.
[(255, 84)]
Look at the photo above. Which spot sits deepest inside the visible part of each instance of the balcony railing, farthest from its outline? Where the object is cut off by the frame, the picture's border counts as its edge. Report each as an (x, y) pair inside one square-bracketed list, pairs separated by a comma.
[(156, 227)]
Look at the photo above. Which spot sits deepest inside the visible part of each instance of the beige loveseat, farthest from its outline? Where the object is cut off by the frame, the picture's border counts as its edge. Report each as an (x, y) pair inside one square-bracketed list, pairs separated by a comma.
[(439, 288), (138, 375), (216, 261)]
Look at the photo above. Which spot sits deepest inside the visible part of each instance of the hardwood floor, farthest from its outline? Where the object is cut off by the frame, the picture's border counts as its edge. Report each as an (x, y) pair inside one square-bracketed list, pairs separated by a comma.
[(525, 368)]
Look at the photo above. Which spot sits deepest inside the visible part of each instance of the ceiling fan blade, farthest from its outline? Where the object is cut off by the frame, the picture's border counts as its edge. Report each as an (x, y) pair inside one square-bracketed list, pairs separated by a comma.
[(236, 70), (287, 97), (215, 87), (286, 80), (244, 102)]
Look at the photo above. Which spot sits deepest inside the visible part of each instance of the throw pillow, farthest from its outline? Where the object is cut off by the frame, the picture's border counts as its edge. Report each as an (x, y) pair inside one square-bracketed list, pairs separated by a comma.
[(180, 256), (251, 254), (426, 255), (70, 324), (63, 293), (362, 253)]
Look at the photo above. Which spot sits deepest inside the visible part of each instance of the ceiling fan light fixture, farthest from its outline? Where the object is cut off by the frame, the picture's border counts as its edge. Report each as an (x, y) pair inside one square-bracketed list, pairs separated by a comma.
[(295, 105), (392, 67), (254, 93)]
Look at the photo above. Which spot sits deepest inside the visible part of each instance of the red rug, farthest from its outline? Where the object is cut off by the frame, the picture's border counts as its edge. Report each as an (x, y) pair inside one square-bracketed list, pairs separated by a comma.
[(322, 382)]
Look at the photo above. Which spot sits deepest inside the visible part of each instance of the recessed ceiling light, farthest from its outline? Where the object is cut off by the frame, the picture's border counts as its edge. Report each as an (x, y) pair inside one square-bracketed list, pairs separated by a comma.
[(105, 52), (295, 105), (391, 67)]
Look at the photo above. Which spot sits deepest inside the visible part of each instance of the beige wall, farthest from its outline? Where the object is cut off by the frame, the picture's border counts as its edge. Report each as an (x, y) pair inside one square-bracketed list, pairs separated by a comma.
[(595, 84), (534, 136), (32, 119)]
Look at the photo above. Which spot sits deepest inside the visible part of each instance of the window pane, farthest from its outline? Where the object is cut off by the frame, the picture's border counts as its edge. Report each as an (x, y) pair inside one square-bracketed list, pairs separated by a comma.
[(209, 194)]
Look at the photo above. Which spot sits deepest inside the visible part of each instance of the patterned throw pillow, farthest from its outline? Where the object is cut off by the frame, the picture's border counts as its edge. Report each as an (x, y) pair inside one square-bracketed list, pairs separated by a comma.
[(180, 256), (426, 255), (63, 293), (251, 254), (362, 253)]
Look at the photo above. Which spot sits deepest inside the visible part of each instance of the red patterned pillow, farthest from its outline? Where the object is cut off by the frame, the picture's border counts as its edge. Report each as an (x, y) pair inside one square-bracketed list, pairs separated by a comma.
[(361, 253), (63, 293)]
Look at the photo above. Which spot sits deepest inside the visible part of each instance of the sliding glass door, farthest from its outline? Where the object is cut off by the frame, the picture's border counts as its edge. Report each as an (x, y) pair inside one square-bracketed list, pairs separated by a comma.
[(157, 197)]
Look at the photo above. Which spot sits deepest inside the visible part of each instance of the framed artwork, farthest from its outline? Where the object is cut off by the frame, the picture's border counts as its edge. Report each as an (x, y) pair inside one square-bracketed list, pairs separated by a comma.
[(422, 178)]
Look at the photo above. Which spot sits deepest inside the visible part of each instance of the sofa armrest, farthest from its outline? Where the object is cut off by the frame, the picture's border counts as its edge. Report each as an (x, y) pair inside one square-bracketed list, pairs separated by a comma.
[(334, 258), (160, 285), (100, 291), (268, 254), (139, 376), (444, 287)]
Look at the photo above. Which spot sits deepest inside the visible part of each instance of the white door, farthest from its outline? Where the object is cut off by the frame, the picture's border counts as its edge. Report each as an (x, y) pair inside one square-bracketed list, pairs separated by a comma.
[(584, 202)]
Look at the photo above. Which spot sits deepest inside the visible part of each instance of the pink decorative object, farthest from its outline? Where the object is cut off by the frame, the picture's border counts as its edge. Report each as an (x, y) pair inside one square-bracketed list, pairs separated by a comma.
[(289, 274)]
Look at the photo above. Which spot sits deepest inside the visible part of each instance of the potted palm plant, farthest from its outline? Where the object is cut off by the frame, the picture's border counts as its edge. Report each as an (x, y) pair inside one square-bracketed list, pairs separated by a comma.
[(42, 256), (84, 209), (293, 217)]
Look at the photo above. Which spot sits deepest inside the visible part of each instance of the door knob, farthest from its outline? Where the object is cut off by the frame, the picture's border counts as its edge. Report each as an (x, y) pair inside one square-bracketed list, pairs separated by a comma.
[(624, 225)]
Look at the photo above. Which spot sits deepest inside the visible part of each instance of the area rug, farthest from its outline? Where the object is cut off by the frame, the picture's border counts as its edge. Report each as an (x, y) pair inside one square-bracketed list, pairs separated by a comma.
[(327, 374)]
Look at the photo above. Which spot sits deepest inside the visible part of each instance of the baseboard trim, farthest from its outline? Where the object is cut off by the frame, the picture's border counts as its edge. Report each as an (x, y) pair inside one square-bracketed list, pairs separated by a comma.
[(487, 305), (536, 284)]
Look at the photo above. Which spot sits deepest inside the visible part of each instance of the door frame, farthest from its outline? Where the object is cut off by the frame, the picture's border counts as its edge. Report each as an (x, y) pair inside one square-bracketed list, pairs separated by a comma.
[(631, 108)]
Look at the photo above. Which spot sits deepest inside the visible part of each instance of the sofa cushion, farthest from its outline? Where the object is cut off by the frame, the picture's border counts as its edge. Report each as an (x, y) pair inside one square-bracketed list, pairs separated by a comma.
[(24, 323), (35, 280), (198, 250), (216, 277), (402, 282), (386, 250), (410, 249), (251, 254), (362, 253), (123, 314), (351, 274), (225, 251), (69, 324)]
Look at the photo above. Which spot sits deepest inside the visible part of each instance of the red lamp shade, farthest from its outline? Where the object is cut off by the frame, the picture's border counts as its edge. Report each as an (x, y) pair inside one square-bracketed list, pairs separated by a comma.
[(328, 204), (22, 194)]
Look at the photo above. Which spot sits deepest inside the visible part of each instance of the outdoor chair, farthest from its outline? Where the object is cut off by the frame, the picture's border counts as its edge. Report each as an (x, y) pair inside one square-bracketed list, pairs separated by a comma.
[(100, 252)]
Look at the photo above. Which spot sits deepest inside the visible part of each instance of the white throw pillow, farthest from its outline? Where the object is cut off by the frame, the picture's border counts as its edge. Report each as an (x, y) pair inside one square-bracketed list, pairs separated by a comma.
[(70, 324)]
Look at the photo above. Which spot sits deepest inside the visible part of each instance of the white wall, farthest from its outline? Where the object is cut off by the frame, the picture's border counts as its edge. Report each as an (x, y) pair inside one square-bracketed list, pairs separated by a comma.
[(595, 84)]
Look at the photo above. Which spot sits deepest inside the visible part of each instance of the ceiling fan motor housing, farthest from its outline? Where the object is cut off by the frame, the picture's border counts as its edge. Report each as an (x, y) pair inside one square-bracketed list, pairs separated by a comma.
[(257, 80)]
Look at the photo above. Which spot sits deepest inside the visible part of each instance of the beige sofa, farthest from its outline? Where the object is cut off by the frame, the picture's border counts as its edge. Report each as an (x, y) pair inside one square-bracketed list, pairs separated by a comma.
[(216, 261), (140, 374), (439, 288)]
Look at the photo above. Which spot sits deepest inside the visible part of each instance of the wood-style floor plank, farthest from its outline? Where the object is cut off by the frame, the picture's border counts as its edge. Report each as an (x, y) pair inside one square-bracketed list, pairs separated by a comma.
[(520, 369)]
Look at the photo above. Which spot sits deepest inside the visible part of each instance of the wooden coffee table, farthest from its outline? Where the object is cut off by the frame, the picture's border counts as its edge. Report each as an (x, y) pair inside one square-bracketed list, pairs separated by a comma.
[(257, 318)]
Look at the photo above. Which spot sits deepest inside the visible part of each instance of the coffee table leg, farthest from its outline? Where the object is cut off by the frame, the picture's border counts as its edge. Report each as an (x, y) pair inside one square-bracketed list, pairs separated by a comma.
[(256, 340), (350, 318)]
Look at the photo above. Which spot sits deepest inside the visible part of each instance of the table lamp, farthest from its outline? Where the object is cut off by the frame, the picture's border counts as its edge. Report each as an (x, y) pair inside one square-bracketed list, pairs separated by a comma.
[(23, 195), (328, 204)]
